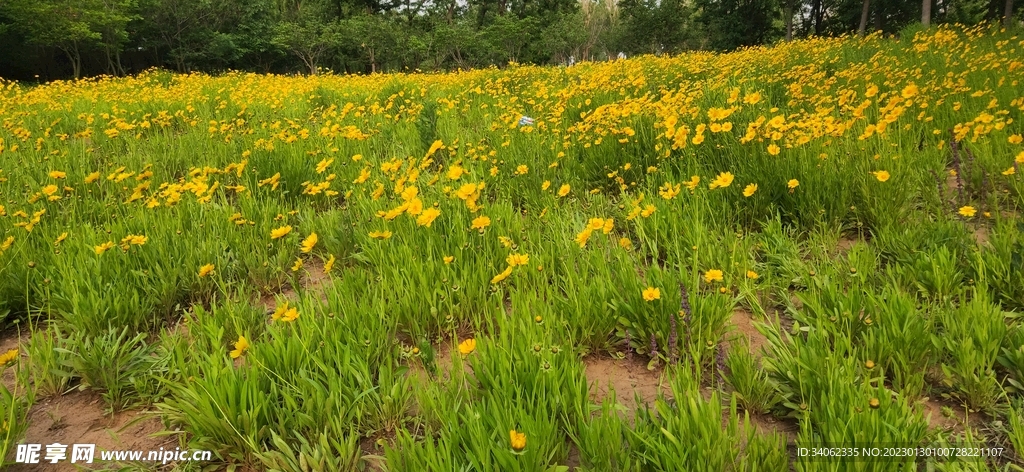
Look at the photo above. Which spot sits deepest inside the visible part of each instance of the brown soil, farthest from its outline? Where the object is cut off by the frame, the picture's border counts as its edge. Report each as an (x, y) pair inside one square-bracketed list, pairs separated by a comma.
[(845, 243), (932, 409), (766, 424), (313, 279), (627, 377), (980, 235), (79, 418), (443, 359), (743, 322)]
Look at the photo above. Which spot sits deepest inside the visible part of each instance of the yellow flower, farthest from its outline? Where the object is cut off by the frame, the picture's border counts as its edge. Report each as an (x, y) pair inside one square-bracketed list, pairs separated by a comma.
[(285, 313), (8, 357), (322, 166), (380, 234), (50, 190), (103, 247), (749, 190), (434, 147), (723, 180), (774, 150), (428, 216), (455, 171), (9, 241), (752, 275), (206, 270), (545, 185), (625, 243), (669, 191), (522, 169), (518, 440), (134, 240), (481, 222), (967, 211), (297, 265), (909, 91), (1020, 158), (448, 259), (309, 242), (563, 190), (280, 232), (881, 175), (648, 211), (692, 183), (56, 174), (279, 311), (241, 346), (1014, 139), (502, 276), (92, 177), (583, 237), (650, 294), (467, 346), (1012, 170), (61, 238), (329, 264), (792, 184), (517, 259), (713, 275)]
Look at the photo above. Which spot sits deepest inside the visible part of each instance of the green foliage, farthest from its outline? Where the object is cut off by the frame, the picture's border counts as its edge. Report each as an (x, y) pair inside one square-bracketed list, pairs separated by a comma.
[(972, 338), (110, 363), (752, 388), (49, 361)]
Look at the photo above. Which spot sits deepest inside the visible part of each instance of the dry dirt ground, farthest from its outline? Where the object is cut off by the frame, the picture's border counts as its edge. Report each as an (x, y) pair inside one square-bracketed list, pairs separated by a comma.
[(80, 417)]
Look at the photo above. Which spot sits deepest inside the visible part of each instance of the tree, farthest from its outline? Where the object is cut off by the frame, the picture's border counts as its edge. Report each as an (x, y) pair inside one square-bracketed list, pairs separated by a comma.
[(788, 7), (67, 25), (926, 12), (734, 23), (865, 10), (1008, 13), (310, 40), (508, 36), (111, 21)]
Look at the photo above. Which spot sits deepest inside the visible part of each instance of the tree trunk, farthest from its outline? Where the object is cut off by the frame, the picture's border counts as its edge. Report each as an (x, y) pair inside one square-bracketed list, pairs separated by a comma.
[(879, 16), (926, 13), (789, 20), (74, 57), (864, 11), (1008, 13), (816, 16)]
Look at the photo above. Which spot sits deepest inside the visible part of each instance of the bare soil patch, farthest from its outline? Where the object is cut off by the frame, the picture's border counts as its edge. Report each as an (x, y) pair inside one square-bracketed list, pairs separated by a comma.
[(79, 418), (932, 409), (627, 377), (767, 424), (743, 322), (312, 279), (845, 244), (980, 235)]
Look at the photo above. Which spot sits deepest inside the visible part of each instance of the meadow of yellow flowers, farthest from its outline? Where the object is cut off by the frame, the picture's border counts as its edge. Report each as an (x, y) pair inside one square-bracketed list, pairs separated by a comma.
[(414, 272)]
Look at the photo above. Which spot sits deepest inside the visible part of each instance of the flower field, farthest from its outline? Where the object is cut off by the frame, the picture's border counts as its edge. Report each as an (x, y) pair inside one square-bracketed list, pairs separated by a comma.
[(420, 272)]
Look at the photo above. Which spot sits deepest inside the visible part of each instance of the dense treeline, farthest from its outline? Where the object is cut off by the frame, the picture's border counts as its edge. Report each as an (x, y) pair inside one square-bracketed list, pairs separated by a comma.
[(51, 39)]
